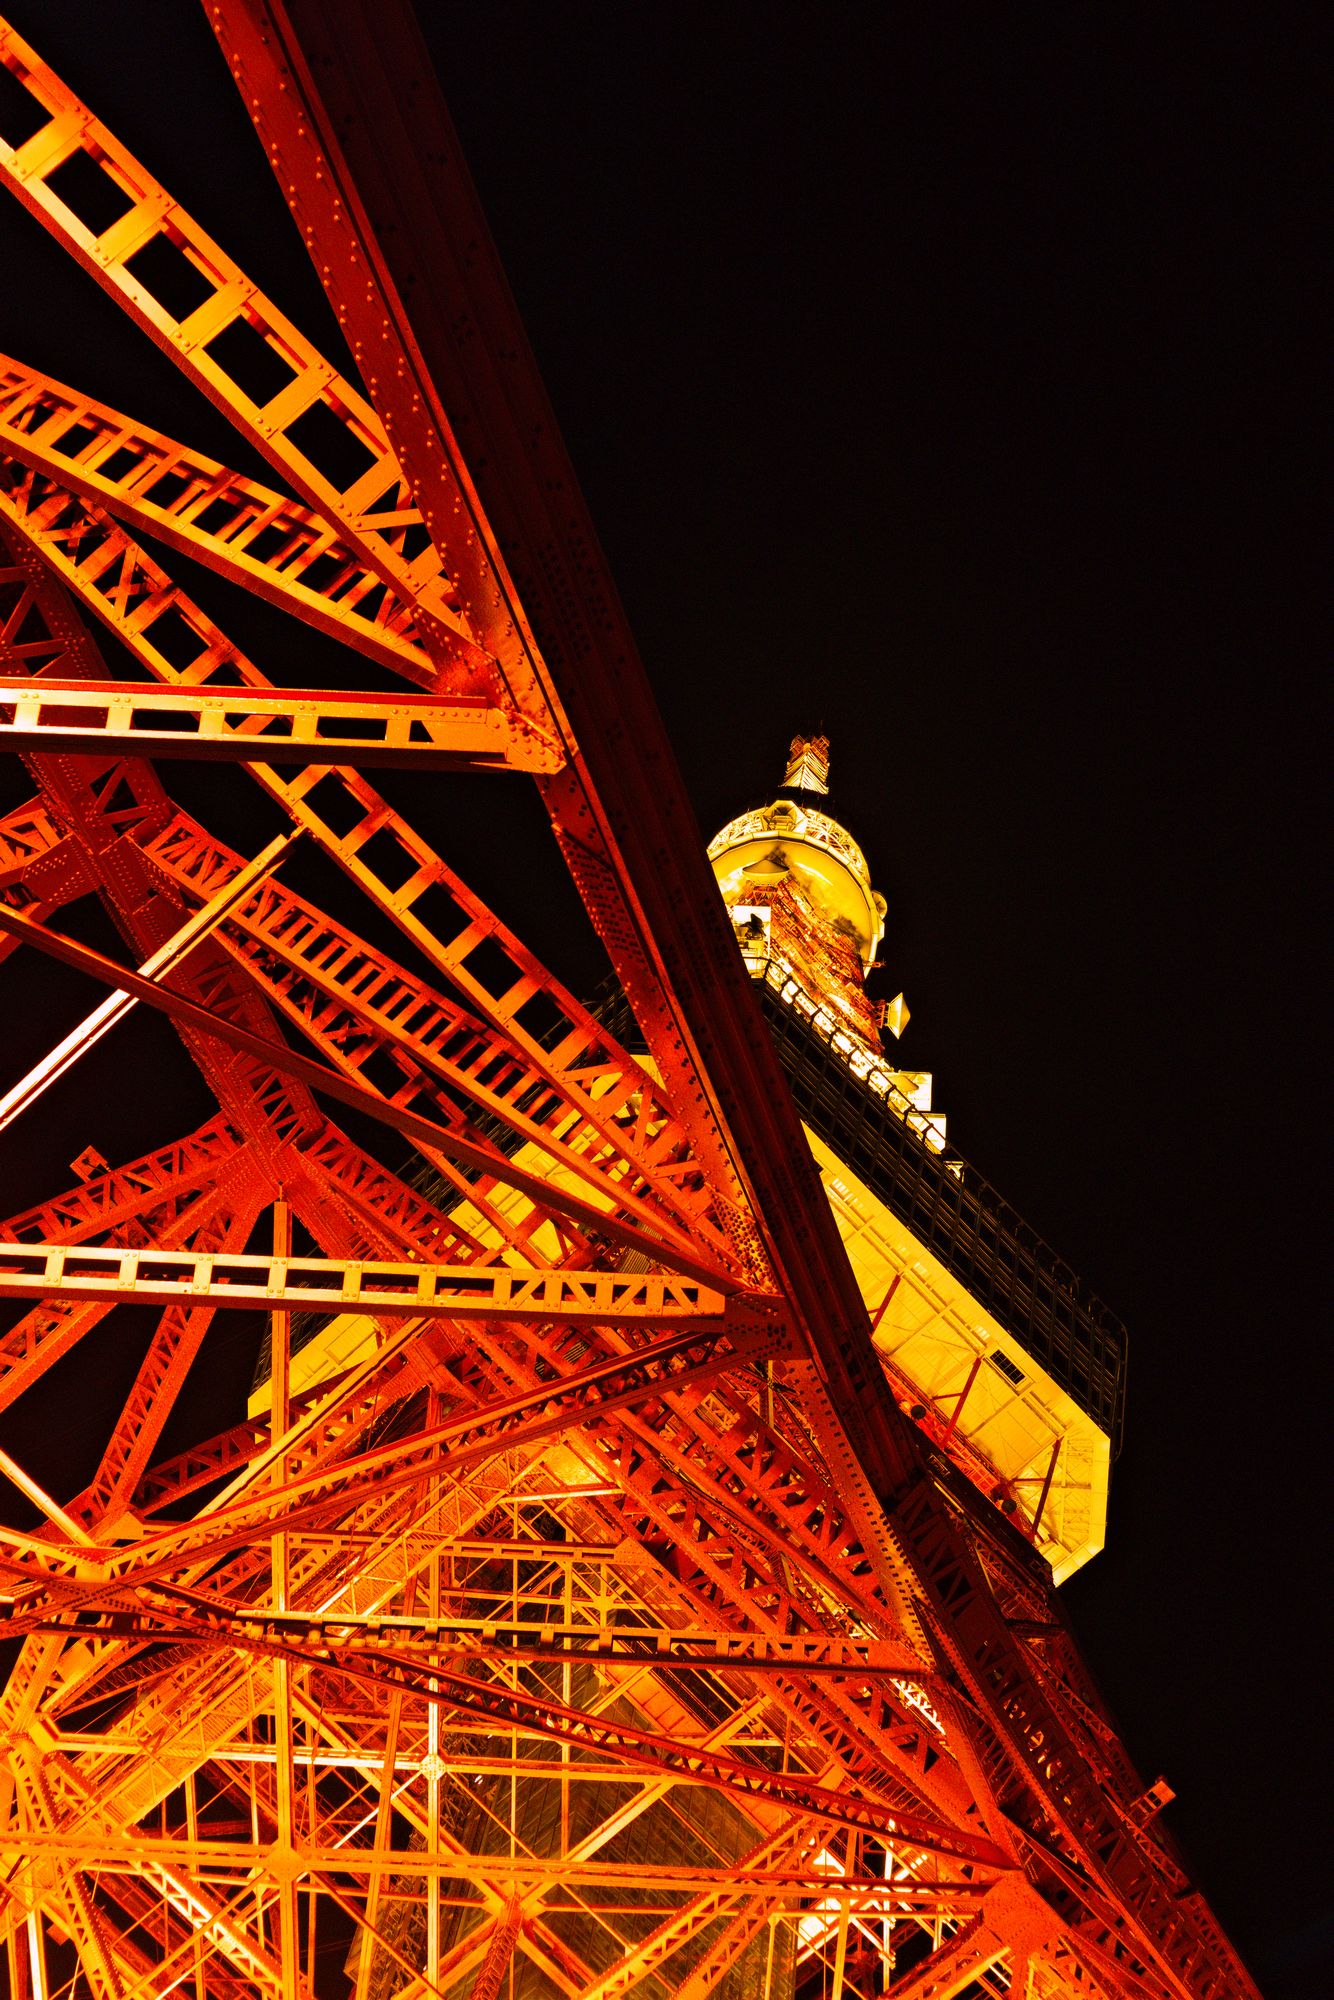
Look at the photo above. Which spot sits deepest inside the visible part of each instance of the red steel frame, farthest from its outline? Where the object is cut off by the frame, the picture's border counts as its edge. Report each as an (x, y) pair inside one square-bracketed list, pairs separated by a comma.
[(614, 1523)]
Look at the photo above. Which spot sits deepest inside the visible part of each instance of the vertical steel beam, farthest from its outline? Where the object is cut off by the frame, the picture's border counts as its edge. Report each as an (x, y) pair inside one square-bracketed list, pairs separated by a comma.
[(280, 1328)]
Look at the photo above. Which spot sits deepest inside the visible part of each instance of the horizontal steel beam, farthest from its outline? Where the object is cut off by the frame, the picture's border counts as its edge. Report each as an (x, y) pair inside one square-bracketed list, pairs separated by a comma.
[(347, 1285), (519, 1641), (294, 726), (865, 1895)]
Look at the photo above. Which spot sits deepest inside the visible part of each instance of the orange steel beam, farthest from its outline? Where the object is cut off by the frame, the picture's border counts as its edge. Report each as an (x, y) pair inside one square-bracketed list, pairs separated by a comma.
[(514, 1423), (112, 576), (504, 1426), (298, 726), (1012, 1922), (41, 868), (193, 1207), (518, 1640), (742, 1920), (324, 1421), (170, 1197), (386, 1211), (734, 1466), (499, 1955), (32, 841), (866, 1894), (163, 1277), (410, 366), (453, 929), (203, 1464), (100, 803), (42, 1500)]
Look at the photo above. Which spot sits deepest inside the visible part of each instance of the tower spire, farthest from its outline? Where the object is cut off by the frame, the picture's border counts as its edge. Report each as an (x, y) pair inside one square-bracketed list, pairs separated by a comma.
[(808, 764)]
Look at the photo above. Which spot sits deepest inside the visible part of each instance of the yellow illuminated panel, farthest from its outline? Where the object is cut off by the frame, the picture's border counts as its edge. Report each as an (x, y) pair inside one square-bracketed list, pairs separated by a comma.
[(1014, 1423)]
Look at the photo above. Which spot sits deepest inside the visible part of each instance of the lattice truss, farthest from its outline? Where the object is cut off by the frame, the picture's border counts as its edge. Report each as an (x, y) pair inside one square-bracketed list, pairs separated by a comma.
[(588, 1620)]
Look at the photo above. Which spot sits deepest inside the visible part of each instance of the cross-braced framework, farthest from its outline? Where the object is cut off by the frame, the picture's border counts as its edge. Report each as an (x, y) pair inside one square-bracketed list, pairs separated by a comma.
[(587, 1619)]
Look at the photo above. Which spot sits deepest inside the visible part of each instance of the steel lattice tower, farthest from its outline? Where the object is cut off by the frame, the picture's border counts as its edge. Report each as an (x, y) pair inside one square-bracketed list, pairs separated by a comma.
[(635, 1570)]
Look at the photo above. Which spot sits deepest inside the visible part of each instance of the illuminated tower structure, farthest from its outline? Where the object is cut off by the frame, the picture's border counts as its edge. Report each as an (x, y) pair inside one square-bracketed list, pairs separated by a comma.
[(642, 1581), (992, 1345)]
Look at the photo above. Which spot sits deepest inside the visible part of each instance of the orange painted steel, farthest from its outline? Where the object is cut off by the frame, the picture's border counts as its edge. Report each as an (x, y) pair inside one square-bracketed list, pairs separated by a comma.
[(160, 1277), (572, 1607), (303, 726)]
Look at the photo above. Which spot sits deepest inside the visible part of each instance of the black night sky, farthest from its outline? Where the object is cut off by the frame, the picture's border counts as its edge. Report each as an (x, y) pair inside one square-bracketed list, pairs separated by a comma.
[(942, 379)]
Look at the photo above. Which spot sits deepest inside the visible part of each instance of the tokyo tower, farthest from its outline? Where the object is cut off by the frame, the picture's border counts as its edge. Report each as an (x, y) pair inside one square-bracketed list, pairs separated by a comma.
[(635, 1569)]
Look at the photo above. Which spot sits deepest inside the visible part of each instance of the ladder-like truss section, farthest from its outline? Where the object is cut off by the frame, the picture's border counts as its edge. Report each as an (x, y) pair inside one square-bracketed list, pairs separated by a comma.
[(573, 1611)]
